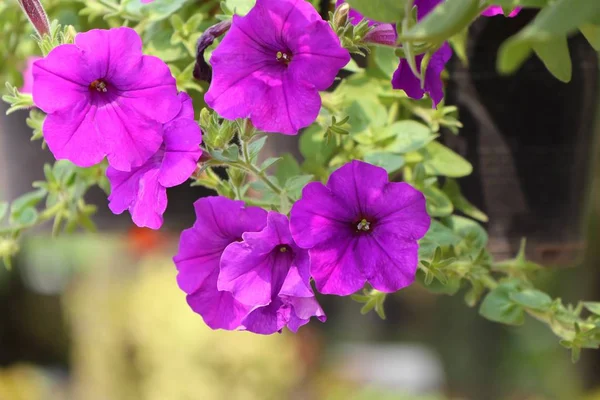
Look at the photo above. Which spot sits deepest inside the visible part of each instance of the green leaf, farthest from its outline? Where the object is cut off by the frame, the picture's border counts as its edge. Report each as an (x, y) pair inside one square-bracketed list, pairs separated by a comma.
[(593, 307), (268, 162), (440, 160), (390, 162), (256, 146), (510, 4), (554, 22), (367, 112), (313, 147), (26, 201), (446, 20), (473, 237), (532, 298), (294, 185), (287, 168), (497, 306), (26, 217), (438, 235), (592, 34), (386, 60), (438, 204), (556, 57), (452, 190), (380, 10), (409, 136), (451, 287)]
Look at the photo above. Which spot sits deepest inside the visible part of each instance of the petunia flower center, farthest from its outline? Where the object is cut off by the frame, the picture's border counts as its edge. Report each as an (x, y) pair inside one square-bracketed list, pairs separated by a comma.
[(284, 248), (284, 57), (363, 225), (99, 86)]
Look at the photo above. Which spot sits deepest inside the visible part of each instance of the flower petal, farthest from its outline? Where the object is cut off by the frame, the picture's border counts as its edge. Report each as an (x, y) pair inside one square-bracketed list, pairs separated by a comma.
[(388, 261), (112, 53), (319, 216), (71, 134), (269, 319), (218, 309), (254, 271), (360, 184), (59, 86), (334, 267), (182, 139), (130, 138)]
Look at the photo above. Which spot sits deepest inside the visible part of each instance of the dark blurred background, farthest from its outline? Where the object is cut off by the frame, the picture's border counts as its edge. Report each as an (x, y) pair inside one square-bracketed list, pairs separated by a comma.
[(100, 316)]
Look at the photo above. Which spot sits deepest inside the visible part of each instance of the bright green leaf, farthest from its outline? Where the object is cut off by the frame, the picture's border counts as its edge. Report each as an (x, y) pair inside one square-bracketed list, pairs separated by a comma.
[(533, 299), (287, 168), (27, 200), (593, 307), (386, 60), (592, 34), (313, 147), (440, 160), (556, 57), (408, 136), (438, 204), (498, 307), (390, 162)]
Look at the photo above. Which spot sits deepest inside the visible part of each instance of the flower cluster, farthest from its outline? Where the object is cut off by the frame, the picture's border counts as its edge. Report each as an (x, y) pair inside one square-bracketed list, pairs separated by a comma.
[(104, 98), (244, 268)]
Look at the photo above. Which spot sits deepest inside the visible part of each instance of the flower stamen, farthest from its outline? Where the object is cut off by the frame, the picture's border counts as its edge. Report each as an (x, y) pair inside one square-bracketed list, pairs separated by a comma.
[(363, 225), (284, 57), (99, 86)]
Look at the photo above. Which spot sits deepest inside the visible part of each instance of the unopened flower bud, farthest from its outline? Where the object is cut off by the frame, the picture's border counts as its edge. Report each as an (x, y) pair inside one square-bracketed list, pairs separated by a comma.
[(37, 16), (203, 71), (341, 15), (384, 34)]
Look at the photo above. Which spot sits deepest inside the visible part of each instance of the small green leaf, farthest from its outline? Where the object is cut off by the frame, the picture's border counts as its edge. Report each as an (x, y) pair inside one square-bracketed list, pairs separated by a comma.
[(268, 162), (380, 10), (26, 217), (313, 146), (532, 298), (556, 57), (593, 307), (497, 306), (26, 201), (408, 136), (592, 34), (295, 184), (440, 160), (438, 204), (256, 146), (390, 162), (386, 60)]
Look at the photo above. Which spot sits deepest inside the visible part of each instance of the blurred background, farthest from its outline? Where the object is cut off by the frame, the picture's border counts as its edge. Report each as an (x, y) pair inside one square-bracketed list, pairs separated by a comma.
[(100, 317)]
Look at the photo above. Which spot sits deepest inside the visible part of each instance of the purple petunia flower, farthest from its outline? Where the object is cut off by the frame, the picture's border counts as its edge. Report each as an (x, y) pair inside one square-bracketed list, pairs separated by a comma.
[(360, 228), (28, 75), (104, 97), (219, 222), (269, 272), (404, 78), (497, 10), (271, 65), (143, 189)]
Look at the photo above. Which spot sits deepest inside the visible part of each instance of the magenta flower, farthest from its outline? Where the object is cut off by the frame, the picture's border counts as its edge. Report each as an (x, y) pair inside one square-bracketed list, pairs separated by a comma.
[(271, 65), (104, 97), (28, 75), (143, 190), (497, 10), (404, 78), (360, 228), (219, 222), (270, 273)]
